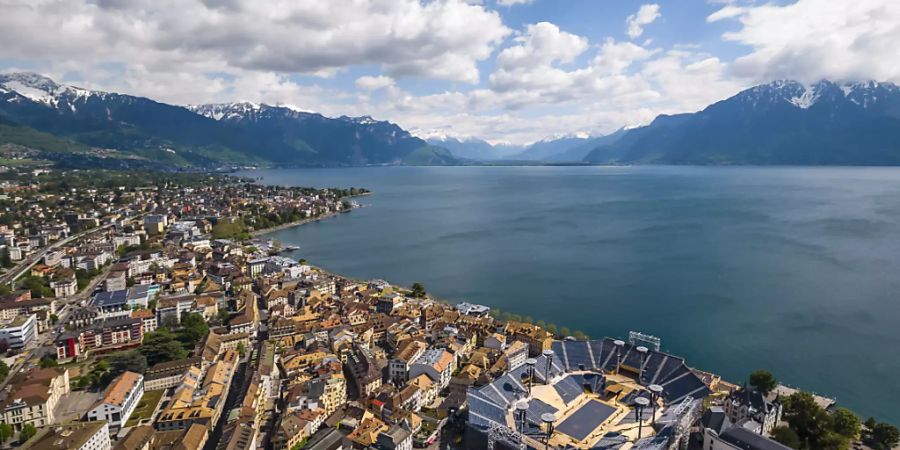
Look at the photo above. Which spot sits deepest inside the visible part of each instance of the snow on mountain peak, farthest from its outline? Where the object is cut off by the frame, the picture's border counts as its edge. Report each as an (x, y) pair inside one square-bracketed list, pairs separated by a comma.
[(807, 98), (41, 89)]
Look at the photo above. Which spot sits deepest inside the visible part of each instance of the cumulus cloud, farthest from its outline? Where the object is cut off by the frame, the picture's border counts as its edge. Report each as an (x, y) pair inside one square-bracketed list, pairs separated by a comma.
[(312, 37), (370, 83), (814, 39), (645, 16), (545, 80)]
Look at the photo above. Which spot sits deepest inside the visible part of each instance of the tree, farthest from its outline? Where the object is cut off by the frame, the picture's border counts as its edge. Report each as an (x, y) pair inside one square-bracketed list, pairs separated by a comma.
[(578, 334), (161, 346), (418, 291), (565, 331), (132, 361), (53, 319), (193, 328), (763, 381), (4, 370), (845, 423), (811, 423), (5, 260), (222, 316), (870, 423), (241, 348), (28, 431), (48, 362), (551, 328), (6, 432), (787, 437), (883, 436)]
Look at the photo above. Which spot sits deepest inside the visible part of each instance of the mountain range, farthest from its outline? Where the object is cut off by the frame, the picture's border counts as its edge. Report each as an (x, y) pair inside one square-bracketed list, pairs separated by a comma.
[(37, 112), (783, 122)]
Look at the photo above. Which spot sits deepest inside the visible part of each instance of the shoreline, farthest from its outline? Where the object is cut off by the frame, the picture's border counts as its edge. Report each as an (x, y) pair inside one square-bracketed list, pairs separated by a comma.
[(284, 226)]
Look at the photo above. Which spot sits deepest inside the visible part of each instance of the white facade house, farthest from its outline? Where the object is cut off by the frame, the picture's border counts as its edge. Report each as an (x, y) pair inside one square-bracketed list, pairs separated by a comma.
[(436, 363), (20, 331), (119, 400)]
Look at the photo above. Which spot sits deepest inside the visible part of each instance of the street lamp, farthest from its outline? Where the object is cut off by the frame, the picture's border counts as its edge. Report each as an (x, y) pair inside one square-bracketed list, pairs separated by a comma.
[(640, 403)]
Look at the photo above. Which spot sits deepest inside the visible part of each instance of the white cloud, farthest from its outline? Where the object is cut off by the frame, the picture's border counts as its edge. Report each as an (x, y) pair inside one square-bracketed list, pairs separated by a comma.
[(513, 2), (314, 37), (814, 39), (645, 16), (370, 83)]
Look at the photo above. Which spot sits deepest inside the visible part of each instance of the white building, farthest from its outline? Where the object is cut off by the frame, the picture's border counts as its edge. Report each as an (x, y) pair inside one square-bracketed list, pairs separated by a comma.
[(119, 400), (436, 363), (20, 331), (72, 436)]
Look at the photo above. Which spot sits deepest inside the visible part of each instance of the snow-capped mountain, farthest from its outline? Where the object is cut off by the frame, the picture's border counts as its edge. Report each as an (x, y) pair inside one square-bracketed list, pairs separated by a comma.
[(863, 94), (474, 148), (41, 89), (204, 134), (783, 122)]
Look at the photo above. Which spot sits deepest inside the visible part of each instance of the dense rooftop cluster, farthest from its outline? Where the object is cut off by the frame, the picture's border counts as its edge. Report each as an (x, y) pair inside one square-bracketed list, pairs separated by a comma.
[(154, 319)]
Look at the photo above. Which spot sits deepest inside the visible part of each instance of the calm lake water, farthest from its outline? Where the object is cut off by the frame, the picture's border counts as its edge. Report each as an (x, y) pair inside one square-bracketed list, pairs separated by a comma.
[(792, 269)]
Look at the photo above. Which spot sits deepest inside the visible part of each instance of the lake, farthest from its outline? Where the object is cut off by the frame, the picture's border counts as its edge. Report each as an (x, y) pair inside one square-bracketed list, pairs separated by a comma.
[(790, 269)]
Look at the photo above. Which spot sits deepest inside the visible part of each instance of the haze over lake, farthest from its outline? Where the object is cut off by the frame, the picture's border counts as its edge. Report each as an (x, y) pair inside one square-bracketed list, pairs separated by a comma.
[(792, 269)]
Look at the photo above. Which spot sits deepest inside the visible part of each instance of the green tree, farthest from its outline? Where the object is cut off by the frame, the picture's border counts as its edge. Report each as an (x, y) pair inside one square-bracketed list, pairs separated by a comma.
[(37, 286), (551, 328), (5, 260), (578, 334), (763, 381), (870, 423), (241, 348), (6, 432), (845, 423), (161, 346), (132, 361), (883, 436), (28, 431), (54, 319), (48, 362), (787, 437), (418, 290), (4, 370), (193, 328), (811, 423)]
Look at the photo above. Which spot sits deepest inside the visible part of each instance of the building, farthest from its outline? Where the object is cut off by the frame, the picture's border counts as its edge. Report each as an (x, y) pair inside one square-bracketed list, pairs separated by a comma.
[(720, 434), (148, 319), (71, 436), (155, 223), (118, 332), (291, 431), (33, 397), (471, 309), (749, 404), (515, 354), (64, 288), (20, 331), (119, 400), (398, 366), (121, 302), (168, 374), (395, 438), (437, 363), (115, 281)]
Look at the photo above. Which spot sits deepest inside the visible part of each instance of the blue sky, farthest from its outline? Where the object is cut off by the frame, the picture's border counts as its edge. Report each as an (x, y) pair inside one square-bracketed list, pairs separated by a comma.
[(503, 70)]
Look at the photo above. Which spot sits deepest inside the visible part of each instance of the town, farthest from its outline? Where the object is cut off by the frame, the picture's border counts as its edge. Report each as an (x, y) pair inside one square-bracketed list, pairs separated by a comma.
[(146, 311)]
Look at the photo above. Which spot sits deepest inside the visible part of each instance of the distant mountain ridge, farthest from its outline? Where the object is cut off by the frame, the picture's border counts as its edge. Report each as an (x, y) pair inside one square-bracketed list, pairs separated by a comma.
[(204, 135), (783, 122)]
